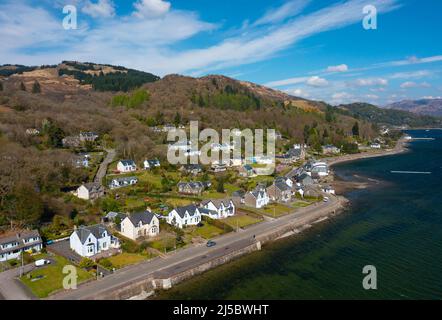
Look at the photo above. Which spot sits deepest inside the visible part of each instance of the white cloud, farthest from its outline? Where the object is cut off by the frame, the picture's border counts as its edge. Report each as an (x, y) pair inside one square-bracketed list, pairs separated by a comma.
[(316, 81), (431, 97), (371, 82), (102, 9), (411, 74), (151, 8), (150, 42), (289, 9), (411, 84), (339, 68), (298, 93)]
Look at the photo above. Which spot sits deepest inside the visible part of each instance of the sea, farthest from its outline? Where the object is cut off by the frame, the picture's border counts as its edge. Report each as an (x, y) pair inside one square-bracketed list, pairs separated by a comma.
[(394, 226)]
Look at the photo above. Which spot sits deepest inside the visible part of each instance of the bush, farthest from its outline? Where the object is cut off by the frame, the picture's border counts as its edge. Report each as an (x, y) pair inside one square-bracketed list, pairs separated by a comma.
[(86, 263), (106, 263)]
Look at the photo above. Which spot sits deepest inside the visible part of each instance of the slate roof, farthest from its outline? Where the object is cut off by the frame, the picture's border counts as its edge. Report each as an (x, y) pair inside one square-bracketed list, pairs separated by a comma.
[(191, 209), (145, 217), (281, 185), (97, 230), (127, 162), (92, 186)]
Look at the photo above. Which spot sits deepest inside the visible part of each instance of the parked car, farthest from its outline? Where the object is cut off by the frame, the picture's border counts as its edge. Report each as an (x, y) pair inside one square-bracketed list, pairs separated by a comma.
[(210, 243), (42, 262)]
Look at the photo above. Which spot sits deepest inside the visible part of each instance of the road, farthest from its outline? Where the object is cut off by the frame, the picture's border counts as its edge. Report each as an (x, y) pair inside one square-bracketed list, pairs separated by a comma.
[(11, 288), (193, 256), (102, 170)]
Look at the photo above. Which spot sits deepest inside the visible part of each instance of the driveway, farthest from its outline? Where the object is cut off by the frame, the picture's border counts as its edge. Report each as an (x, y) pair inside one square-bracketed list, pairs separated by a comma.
[(63, 248), (11, 288), (102, 170)]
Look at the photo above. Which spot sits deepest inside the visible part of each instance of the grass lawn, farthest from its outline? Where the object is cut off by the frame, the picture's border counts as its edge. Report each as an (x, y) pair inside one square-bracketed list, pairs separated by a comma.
[(177, 202), (275, 210), (52, 278), (165, 243), (241, 221), (207, 231), (300, 204), (132, 203), (126, 259)]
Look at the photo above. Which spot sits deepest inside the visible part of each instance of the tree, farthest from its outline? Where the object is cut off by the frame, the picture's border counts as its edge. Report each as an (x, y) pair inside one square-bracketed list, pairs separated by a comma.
[(177, 119), (86, 263), (355, 129), (220, 185), (1, 86), (22, 86), (36, 87)]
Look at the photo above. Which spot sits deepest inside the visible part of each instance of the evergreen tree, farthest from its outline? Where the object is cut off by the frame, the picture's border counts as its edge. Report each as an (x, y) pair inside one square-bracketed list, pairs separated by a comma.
[(36, 87), (177, 120), (1, 86), (355, 129), (22, 86)]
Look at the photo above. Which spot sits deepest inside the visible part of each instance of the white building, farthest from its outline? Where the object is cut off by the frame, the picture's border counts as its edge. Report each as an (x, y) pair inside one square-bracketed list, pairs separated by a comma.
[(140, 224), (90, 191), (319, 168), (257, 199), (218, 208), (11, 247), (91, 240), (184, 216), (123, 182), (150, 164), (126, 166)]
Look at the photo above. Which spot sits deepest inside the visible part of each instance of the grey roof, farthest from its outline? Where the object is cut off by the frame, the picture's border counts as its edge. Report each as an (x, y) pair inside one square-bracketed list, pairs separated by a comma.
[(247, 167), (19, 236), (93, 186), (191, 209), (125, 179), (97, 230), (191, 167), (294, 152), (112, 215), (257, 193), (239, 193), (127, 162), (217, 202), (145, 217), (153, 162), (281, 185)]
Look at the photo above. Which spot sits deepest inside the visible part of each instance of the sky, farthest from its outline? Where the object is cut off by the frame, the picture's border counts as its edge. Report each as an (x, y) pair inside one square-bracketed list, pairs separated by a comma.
[(314, 49)]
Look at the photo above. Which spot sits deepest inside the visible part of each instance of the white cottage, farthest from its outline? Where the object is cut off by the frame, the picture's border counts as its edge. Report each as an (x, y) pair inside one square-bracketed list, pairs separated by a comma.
[(140, 224), (218, 208), (126, 166), (12, 246), (257, 199), (184, 216), (88, 241)]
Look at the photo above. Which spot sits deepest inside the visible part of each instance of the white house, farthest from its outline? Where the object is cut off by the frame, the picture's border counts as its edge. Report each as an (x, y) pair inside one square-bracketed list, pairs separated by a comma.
[(123, 182), (150, 164), (219, 208), (126, 166), (91, 240), (257, 199), (90, 191), (318, 168), (12, 246), (184, 216), (140, 224)]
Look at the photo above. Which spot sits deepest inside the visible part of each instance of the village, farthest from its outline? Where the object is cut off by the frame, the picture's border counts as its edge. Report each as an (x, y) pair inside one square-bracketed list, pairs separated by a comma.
[(166, 208)]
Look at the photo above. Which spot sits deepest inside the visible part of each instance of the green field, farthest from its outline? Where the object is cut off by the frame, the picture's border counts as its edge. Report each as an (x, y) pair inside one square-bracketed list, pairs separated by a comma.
[(52, 278), (275, 210), (207, 231), (126, 259), (241, 221)]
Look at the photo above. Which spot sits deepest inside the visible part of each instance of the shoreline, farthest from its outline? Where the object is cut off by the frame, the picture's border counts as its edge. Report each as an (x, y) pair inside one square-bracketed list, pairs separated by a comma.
[(144, 280), (322, 216)]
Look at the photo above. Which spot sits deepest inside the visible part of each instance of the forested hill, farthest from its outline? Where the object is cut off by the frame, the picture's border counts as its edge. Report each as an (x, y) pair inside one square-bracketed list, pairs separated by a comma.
[(99, 77), (371, 113)]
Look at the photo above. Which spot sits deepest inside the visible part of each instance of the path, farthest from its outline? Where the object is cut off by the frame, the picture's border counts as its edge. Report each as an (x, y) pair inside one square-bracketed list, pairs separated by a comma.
[(102, 170)]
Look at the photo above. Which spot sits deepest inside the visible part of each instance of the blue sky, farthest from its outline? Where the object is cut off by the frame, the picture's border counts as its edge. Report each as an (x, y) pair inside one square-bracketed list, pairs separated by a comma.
[(309, 48)]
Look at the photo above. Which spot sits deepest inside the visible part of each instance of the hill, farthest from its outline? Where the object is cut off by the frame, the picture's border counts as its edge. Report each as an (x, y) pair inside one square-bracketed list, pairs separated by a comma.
[(381, 116), (431, 107)]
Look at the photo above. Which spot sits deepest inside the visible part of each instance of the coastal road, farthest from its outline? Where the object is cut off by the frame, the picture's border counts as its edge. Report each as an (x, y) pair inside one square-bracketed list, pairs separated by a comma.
[(102, 170), (193, 256)]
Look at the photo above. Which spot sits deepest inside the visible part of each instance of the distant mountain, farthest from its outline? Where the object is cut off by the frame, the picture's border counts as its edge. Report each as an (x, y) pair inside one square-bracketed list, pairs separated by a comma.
[(431, 107), (382, 116)]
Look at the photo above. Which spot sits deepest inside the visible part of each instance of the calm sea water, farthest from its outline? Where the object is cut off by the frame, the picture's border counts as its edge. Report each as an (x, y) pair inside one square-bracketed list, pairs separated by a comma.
[(395, 226)]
